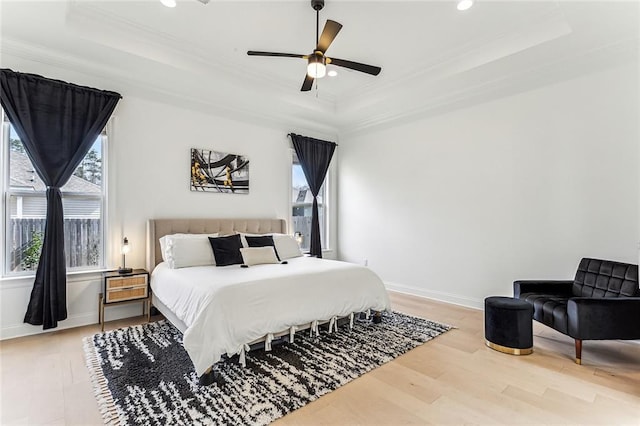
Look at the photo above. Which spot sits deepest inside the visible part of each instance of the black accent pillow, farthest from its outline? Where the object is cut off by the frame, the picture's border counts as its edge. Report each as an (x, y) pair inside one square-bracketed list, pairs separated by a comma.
[(226, 250), (262, 241)]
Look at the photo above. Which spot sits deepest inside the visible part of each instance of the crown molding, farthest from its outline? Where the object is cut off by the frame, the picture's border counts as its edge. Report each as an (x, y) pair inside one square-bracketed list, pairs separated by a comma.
[(546, 26), (620, 53), (282, 114)]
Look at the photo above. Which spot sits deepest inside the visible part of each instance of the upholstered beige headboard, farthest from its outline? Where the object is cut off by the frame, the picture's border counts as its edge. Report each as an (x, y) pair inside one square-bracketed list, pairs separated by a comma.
[(157, 228)]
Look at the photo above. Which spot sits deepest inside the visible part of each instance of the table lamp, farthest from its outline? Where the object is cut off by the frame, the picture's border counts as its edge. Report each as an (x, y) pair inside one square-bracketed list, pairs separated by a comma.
[(124, 250)]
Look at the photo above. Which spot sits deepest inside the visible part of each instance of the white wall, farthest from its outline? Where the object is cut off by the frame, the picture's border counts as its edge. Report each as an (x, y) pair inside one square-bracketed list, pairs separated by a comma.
[(456, 207), (149, 170), (152, 167)]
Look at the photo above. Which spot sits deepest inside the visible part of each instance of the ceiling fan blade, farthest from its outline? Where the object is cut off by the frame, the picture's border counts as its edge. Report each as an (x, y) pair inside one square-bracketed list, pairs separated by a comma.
[(283, 55), (329, 33), (369, 69), (308, 83)]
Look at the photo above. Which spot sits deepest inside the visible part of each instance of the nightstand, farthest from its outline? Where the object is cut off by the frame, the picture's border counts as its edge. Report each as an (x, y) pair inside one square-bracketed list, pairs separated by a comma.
[(120, 289)]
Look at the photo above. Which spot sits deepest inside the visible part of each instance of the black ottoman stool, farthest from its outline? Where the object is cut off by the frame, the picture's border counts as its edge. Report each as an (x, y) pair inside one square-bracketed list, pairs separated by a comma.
[(508, 325)]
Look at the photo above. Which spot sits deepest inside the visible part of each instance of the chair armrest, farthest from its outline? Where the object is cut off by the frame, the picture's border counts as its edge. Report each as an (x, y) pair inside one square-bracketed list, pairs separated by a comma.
[(559, 287), (598, 318)]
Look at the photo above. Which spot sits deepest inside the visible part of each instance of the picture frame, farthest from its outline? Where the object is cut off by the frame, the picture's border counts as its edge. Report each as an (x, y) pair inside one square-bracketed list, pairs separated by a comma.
[(222, 172)]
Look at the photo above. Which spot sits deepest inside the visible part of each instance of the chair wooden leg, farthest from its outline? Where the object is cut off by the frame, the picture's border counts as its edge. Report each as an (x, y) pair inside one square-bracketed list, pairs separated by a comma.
[(578, 351)]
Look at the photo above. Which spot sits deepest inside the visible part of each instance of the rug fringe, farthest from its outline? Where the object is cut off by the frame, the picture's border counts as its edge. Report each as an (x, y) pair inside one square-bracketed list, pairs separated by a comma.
[(106, 404)]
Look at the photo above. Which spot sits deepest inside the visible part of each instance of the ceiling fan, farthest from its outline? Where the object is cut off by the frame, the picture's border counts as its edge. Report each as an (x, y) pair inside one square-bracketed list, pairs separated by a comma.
[(317, 60)]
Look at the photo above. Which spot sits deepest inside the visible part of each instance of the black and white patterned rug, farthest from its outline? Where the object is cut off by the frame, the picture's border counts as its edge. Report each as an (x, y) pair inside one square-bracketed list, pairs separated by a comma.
[(143, 376)]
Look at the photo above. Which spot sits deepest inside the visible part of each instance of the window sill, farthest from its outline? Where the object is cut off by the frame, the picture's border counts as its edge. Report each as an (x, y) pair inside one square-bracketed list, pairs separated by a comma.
[(73, 274), (88, 272)]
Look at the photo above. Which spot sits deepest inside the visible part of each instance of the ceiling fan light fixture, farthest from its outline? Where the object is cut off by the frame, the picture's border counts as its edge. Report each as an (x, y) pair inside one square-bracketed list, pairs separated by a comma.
[(316, 67), (464, 4), (316, 70), (169, 3)]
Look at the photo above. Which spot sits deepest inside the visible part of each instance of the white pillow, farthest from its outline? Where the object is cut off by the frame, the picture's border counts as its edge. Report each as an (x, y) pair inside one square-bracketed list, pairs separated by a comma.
[(286, 246), (170, 237), (163, 247), (184, 250), (258, 255)]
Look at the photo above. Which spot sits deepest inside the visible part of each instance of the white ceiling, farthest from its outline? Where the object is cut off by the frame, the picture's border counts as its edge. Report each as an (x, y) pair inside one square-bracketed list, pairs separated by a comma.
[(433, 57)]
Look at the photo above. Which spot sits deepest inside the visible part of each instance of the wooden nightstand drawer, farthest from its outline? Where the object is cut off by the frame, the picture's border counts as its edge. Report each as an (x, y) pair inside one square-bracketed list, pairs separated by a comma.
[(132, 281), (126, 293)]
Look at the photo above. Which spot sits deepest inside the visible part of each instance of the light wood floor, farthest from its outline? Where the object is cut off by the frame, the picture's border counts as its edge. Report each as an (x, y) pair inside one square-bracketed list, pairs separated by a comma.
[(453, 379)]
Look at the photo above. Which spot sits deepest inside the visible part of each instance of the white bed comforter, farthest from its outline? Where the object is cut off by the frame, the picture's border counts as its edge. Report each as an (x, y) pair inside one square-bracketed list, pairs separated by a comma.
[(225, 308)]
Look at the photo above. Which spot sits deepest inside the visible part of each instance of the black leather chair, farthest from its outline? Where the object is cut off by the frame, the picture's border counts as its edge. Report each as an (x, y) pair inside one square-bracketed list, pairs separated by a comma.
[(601, 303)]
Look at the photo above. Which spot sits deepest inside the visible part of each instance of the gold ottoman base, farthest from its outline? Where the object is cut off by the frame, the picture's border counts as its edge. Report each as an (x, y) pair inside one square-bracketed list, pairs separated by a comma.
[(506, 350)]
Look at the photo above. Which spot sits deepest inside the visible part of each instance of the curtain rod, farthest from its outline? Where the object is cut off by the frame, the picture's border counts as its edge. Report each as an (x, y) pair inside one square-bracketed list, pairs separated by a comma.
[(61, 82), (315, 139)]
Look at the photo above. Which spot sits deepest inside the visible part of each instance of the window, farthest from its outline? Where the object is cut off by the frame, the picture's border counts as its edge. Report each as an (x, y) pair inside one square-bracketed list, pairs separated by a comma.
[(302, 202), (25, 207)]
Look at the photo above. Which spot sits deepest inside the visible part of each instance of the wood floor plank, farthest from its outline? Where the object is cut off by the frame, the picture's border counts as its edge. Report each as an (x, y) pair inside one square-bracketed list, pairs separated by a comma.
[(79, 405), (395, 375), (628, 408)]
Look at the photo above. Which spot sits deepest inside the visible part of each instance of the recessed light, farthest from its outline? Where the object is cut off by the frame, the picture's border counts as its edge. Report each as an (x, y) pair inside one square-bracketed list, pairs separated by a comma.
[(168, 3), (465, 4), (332, 73)]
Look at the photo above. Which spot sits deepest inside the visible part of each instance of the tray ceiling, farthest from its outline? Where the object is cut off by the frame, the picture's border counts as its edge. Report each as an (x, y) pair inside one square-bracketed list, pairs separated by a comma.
[(434, 58)]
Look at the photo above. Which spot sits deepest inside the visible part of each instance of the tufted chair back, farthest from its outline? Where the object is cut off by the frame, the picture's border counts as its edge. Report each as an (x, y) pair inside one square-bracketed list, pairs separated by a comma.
[(604, 278)]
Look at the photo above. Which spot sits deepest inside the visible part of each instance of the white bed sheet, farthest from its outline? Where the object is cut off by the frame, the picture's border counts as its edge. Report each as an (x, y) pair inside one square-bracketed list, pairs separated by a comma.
[(225, 308)]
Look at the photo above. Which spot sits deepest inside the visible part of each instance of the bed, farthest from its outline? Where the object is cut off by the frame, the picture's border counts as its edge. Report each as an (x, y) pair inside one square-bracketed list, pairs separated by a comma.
[(223, 310)]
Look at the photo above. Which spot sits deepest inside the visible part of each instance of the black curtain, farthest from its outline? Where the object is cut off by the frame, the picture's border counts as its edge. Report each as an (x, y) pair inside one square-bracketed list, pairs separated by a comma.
[(57, 122), (315, 157)]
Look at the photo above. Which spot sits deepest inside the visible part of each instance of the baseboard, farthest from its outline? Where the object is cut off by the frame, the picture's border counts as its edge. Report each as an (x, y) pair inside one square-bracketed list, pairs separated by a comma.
[(72, 321), (20, 330), (436, 295)]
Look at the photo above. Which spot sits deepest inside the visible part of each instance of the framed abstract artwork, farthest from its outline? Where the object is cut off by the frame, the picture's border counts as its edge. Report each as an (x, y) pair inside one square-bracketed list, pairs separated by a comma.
[(214, 171)]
